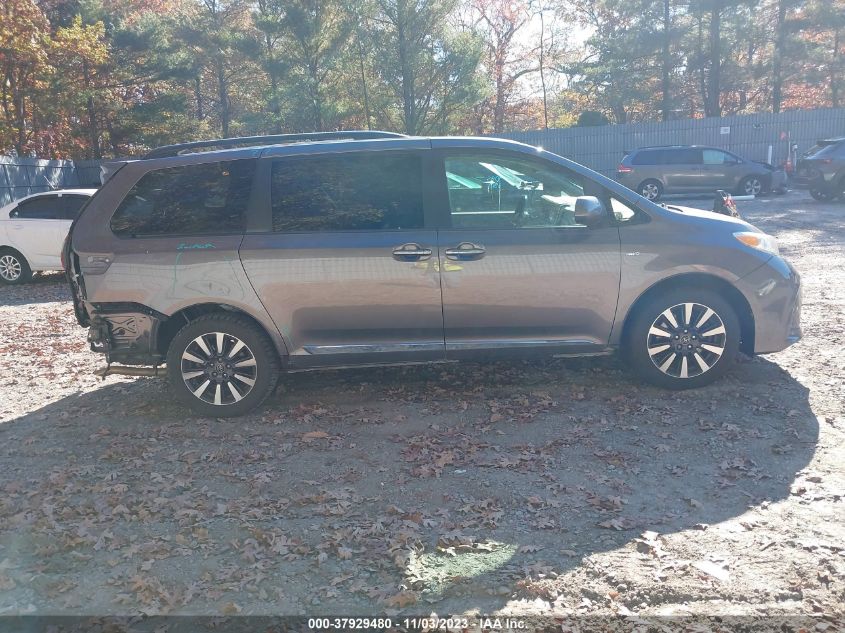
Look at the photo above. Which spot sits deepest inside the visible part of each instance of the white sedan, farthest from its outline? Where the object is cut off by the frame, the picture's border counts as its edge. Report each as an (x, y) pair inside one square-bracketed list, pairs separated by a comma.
[(33, 230)]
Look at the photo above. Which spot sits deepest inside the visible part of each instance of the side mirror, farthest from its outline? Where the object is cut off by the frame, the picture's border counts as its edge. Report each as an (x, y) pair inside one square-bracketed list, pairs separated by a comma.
[(589, 211)]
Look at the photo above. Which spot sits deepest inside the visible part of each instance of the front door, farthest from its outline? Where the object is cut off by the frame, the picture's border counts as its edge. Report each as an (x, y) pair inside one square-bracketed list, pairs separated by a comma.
[(717, 170), (349, 271), (518, 270)]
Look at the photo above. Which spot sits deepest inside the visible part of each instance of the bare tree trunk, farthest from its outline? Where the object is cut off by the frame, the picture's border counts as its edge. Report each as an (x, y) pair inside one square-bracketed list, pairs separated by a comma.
[(316, 97), (499, 106), (777, 58), (223, 95), (542, 72), (93, 132), (409, 104), (198, 96), (666, 104), (702, 76), (714, 87), (364, 82), (834, 70)]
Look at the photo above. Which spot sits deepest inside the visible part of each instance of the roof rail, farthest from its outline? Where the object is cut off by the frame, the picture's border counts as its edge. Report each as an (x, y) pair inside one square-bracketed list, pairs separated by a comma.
[(274, 139)]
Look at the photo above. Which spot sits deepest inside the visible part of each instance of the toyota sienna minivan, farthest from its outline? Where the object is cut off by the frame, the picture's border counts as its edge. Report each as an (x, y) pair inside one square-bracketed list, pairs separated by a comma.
[(224, 264), (655, 171)]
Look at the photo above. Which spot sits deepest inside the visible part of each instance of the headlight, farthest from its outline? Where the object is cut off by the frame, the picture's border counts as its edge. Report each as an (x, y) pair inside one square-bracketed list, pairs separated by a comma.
[(760, 241)]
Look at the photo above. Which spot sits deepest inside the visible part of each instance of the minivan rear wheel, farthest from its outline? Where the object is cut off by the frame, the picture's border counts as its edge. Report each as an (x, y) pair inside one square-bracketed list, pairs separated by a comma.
[(650, 189), (683, 339), (222, 365)]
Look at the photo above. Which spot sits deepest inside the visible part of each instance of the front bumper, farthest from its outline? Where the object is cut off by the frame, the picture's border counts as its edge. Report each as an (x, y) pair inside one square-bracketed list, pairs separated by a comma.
[(774, 293)]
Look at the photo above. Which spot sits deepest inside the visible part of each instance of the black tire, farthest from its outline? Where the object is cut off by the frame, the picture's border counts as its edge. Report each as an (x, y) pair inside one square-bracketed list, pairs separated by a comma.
[(665, 368), (255, 346), (751, 186), (822, 195), (12, 261), (650, 189)]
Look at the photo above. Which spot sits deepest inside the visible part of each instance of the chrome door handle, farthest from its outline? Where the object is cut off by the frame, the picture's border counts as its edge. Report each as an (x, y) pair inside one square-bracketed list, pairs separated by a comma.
[(411, 252), (466, 252)]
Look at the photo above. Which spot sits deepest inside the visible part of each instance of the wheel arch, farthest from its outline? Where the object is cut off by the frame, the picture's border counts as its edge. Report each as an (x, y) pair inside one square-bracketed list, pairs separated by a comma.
[(699, 280), (176, 321)]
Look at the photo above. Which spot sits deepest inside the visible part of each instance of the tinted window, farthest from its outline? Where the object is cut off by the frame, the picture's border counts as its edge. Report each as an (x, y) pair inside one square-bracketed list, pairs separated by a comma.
[(347, 192), (715, 157), (687, 156), (41, 208), (648, 157), (495, 191), (187, 200), (71, 205)]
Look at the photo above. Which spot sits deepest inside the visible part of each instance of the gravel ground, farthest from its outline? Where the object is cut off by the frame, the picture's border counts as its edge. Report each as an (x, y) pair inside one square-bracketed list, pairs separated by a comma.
[(518, 488)]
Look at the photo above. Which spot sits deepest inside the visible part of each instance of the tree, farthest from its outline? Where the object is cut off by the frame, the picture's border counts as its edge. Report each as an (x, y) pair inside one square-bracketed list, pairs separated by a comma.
[(506, 59), (617, 66), (24, 63), (316, 33), (416, 62)]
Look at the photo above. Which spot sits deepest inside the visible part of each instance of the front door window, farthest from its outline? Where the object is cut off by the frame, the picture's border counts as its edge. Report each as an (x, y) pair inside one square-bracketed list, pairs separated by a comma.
[(510, 192)]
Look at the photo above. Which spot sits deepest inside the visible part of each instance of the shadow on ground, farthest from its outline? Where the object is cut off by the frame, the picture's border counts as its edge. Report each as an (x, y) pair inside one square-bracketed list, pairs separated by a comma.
[(443, 487)]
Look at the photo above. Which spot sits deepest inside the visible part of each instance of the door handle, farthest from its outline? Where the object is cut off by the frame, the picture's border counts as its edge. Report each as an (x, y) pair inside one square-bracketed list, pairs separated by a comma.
[(466, 252), (411, 252)]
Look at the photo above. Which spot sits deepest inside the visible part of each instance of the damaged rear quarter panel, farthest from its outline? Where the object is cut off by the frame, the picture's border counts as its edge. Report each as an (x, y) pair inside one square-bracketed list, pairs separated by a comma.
[(162, 273)]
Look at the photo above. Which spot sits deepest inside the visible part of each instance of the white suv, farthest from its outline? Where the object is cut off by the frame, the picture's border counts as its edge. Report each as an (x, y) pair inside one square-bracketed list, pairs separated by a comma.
[(33, 229)]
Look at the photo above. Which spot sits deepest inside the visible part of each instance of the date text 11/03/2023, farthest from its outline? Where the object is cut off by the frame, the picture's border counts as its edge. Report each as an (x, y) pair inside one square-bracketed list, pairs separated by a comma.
[(427, 623)]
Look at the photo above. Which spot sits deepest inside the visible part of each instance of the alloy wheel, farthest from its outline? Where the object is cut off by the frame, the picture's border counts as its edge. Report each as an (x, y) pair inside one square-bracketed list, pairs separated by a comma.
[(219, 368), (753, 186), (686, 340), (650, 191), (10, 267)]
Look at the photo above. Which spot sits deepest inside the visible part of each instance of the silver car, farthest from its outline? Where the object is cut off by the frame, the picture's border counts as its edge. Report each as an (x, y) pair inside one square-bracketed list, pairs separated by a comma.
[(223, 264), (655, 171)]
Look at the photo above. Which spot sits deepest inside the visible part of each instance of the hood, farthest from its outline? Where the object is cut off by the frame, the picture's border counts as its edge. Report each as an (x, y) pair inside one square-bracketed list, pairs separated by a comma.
[(711, 216)]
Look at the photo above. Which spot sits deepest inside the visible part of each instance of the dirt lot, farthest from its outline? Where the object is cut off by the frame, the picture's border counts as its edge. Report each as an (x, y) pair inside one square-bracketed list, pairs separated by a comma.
[(562, 487)]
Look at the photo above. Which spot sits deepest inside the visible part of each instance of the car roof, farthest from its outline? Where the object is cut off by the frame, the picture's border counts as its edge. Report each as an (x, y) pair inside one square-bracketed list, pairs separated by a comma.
[(680, 147), (305, 147)]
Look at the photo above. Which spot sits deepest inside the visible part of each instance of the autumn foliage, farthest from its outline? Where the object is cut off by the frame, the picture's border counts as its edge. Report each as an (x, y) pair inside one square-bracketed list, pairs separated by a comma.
[(116, 77)]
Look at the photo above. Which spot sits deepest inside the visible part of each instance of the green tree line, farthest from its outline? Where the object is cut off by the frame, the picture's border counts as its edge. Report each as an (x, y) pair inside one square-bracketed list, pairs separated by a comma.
[(98, 78)]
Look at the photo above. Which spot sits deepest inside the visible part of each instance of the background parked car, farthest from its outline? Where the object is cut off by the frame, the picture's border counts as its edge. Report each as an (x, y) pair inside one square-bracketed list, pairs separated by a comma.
[(822, 169), (654, 171), (33, 229)]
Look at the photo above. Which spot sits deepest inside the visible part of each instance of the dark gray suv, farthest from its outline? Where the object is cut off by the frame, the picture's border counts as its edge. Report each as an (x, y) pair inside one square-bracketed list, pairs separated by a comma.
[(223, 265), (821, 169), (654, 171)]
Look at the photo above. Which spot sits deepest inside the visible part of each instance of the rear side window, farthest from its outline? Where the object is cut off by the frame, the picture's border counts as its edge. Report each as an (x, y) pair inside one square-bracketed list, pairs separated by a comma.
[(187, 200), (648, 157), (687, 156), (71, 205), (41, 208), (348, 192)]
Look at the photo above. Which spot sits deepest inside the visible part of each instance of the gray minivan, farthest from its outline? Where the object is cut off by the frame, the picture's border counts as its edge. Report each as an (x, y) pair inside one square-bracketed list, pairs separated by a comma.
[(223, 264), (654, 171)]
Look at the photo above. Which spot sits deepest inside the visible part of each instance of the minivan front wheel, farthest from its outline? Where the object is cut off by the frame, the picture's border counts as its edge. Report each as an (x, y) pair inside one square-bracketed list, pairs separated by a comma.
[(650, 189), (683, 339), (222, 365)]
